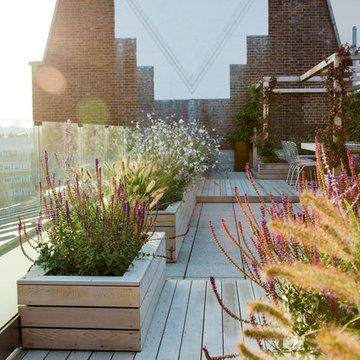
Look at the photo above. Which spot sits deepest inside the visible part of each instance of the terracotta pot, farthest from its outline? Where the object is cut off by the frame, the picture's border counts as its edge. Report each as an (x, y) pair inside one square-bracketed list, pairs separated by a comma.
[(242, 155)]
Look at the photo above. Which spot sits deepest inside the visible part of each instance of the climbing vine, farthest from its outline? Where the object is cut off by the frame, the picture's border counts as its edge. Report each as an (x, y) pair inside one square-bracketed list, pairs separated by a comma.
[(264, 139), (333, 136)]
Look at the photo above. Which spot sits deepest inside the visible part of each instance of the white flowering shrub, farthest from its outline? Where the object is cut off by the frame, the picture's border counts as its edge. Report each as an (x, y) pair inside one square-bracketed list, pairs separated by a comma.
[(181, 150)]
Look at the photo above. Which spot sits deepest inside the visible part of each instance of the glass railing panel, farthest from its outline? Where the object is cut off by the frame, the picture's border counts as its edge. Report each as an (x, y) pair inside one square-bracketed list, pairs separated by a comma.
[(94, 144), (18, 178), (18, 196), (62, 139), (116, 140), (13, 265)]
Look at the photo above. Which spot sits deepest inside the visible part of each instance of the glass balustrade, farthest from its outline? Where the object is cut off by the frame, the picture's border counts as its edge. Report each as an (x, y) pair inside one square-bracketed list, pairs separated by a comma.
[(22, 151)]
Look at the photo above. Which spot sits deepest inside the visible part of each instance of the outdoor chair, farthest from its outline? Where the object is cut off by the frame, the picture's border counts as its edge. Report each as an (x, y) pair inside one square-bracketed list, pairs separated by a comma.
[(297, 163)]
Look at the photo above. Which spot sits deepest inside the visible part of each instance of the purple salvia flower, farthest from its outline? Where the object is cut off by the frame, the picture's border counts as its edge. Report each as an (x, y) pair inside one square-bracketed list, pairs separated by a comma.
[(284, 202), (252, 318), (335, 261), (38, 224), (272, 290), (330, 185), (347, 309), (67, 211), (255, 269), (315, 255), (262, 211), (313, 186), (137, 202)]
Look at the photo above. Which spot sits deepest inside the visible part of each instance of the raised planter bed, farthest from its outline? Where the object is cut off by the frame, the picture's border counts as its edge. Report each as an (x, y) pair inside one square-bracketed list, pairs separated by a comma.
[(174, 221), (92, 312), (271, 171)]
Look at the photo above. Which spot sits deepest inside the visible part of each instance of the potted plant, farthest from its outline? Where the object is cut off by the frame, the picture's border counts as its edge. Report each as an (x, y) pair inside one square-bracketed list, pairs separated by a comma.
[(100, 270), (243, 133), (180, 152)]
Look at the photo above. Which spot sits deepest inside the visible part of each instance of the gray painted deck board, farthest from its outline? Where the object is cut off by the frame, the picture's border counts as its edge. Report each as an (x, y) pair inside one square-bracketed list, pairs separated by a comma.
[(222, 189), (184, 321), (188, 315)]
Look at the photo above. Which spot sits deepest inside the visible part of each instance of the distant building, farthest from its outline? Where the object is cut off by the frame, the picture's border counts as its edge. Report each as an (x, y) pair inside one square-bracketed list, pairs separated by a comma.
[(16, 170)]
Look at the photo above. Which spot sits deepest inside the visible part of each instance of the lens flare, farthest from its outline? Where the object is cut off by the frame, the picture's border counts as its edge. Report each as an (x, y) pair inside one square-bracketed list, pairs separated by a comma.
[(50, 80), (93, 110)]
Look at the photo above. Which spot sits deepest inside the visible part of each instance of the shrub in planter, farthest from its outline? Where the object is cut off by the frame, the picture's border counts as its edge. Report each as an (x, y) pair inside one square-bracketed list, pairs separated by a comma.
[(243, 132), (83, 292), (88, 232), (181, 151)]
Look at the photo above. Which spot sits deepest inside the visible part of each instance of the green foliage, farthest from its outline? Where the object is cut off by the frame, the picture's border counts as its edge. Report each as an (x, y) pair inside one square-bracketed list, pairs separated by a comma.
[(141, 176), (180, 150), (84, 230), (266, 150), (248, 119), (352, 116), (265, 141), (332, 137), (310, 265), (342, 106), (77, 250)]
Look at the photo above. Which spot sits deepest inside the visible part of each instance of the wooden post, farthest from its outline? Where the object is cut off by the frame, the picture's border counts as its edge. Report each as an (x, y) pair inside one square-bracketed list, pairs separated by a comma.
[(80, 142), (266, 107), (106, 131), (254, 153), (266, 110), (337, 120)]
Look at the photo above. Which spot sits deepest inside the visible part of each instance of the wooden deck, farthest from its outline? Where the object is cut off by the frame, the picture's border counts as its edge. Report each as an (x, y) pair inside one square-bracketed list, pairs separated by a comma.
[(219, 188), (188, 315), (187, 318)]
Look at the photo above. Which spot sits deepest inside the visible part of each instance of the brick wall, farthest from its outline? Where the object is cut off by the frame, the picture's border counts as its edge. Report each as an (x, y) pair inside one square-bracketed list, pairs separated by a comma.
[(89, 76), (301, 34), (214, 113), (80, 78)]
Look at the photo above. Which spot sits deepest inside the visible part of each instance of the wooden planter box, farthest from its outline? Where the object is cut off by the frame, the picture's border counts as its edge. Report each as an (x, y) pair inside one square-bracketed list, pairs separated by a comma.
[(174, 221), (271, 171), (92, 312)]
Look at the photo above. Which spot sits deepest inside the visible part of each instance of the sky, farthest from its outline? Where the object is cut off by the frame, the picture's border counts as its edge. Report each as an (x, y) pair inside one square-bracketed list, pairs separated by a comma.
[(24, 28)]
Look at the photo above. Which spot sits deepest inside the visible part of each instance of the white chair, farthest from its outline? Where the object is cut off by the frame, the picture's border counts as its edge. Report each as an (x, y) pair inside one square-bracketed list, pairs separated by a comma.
[(297, 163)]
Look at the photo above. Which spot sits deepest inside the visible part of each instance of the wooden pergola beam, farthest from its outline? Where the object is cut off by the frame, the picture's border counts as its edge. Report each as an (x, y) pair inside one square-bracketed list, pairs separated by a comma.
[(355, 69), (297, 79), (355, 57), (353, 88), (300, 91), (318, 68)]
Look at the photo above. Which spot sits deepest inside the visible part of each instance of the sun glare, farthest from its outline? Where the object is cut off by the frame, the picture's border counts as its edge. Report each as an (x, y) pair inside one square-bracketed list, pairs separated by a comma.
[(24, 28)]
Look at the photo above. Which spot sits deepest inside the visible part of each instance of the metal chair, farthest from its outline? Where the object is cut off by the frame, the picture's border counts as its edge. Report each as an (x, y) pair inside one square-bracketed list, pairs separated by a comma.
[(297, 163)]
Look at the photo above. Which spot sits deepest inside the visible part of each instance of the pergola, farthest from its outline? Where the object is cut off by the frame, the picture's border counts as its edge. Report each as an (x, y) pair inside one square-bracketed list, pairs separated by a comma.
[(315, 81)]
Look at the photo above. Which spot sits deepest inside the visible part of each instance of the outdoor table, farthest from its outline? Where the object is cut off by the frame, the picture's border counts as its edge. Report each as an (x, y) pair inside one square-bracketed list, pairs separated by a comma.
[(354, 147)]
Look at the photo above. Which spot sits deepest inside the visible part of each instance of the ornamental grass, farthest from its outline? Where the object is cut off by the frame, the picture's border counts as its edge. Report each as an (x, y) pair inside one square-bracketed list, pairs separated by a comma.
[(308, 263), (83, 229)]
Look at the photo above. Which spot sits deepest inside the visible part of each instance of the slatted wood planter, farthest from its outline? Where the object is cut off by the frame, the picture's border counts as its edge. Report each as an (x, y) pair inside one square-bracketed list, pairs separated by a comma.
[(271, 171), (174, 221), (92, 312)]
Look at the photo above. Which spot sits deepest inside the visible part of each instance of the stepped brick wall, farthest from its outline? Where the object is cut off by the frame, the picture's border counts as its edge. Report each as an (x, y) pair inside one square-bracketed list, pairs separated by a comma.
[(301, 34), (89, 76)]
